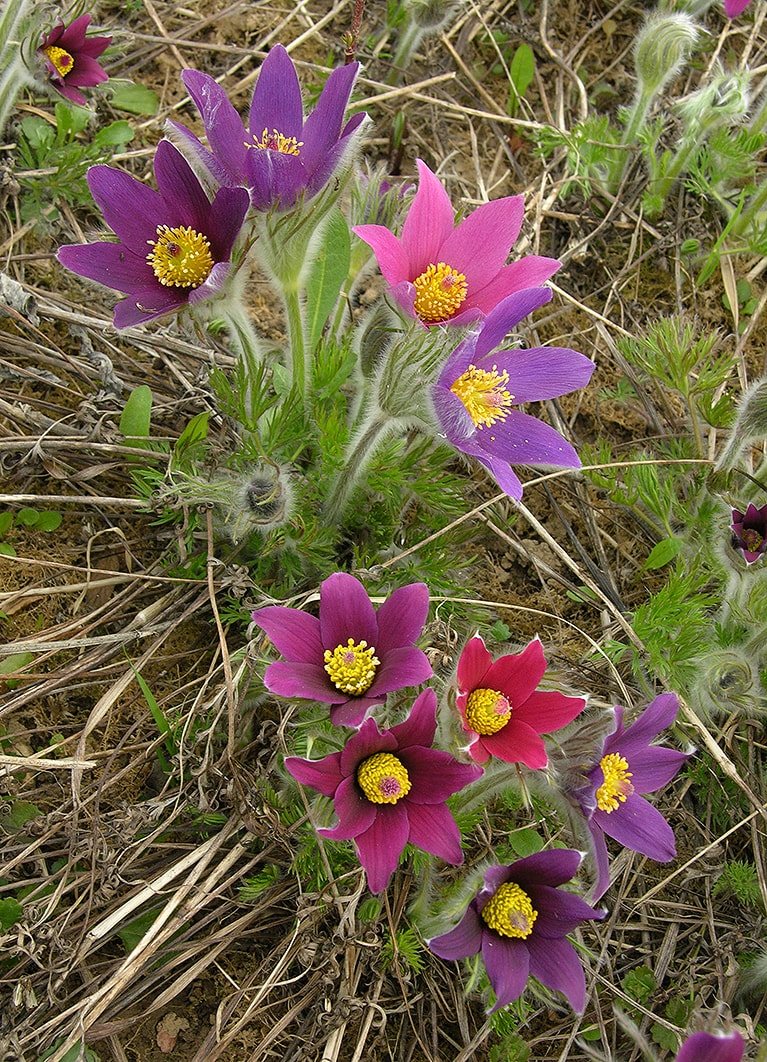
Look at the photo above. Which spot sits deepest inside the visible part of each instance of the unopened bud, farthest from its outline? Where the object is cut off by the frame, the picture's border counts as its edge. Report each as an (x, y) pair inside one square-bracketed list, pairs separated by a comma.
[(723, 101), (430, 15), (662, 48)]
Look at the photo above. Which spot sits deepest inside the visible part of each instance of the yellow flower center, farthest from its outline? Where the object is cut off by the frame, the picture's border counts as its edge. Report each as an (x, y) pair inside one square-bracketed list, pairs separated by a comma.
[(616, 786), (181, 257), (439, 293), (383, 778), (510, 912), (275, 141), (752, 539), (487, 711), (352, 667), (484, 394), (60, 58)]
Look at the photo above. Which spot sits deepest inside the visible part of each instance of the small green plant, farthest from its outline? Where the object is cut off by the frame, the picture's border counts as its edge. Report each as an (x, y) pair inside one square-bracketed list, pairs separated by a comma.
[(407, 947), (739, 879), (32, 518)]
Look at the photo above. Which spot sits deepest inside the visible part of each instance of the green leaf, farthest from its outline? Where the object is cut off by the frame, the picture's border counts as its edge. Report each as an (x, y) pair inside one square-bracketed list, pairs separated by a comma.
[(6, 522), (21, 812), (526, 842), (663, 552), (135, 99), (115, 133), (7, 550), (131, 933), (639, 984), (195, 432), (27, 517), (327, 275), (78, 1053), (664, 1037), (521, 73), (49, 521), (11, 912), (12, 663), (137, 415)]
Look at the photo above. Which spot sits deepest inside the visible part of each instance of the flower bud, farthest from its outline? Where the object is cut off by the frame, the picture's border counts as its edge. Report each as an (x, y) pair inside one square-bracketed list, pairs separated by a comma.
[(662, 47), (723, 101), (728, 682), (430, 15)]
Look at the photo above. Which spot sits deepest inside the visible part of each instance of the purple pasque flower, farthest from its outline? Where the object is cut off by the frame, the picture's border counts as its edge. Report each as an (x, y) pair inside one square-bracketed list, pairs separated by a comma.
[(501, 707), (733, 8), (350, 656), (175, 245), (628, 766), (519, 921), (280, 156), (479, 386), (70, 58), (389, 788), (447, 274), (712, 1047), (749, 532)]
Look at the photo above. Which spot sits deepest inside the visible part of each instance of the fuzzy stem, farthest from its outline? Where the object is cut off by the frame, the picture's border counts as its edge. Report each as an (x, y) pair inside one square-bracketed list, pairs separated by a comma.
[(408, 42), (378, 428), (296, 341)]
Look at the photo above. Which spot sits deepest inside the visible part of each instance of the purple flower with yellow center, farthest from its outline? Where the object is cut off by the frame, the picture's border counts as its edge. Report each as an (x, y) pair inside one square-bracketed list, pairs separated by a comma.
[(477, 390), (749, 532), (443, 273), (501, 706), (71, 57), (630, 765), (175, 245), (351, 655), (280, 156), (389, 788), (712, 1047), (519, 921)]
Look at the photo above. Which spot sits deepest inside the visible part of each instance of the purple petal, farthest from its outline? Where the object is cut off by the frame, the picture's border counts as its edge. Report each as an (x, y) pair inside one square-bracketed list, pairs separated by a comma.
[(213, 285), (402, 616), (657, 716), (227, 213), (194, 150), (346, 612), (296, 634), (296, 679), (542, 372), (400, 668), (355, 812), (435, 775), (637, 825), (553, 867), (548, 711), (654, 767), (87, 71), (277, 102), (733, 8), (706, 1047), (555, 964), (525, 440), (559, 912), (366, 742), (323, 126), (180, 188), (380, 846), (390, 254), (433, 828), (421, 724), (223, 126), (130, 208), (353, 711), (480, 245), (274, 178), (323, 775), (461, 942), (504, 317), (111, 264), (601, 860), (503, 474), (508, 966), (428, 224), (516, 675)]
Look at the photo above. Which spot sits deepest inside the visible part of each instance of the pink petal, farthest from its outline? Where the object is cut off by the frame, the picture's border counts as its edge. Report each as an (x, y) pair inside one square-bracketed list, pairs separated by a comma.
[(435, 775), (480, 245), (366, 742), (433, 829), (346, 612), (527, 272), (428, 224), (296, 679), (517, 743), (473, 664), (548, 711), (380, 846), (392, 258), (355, 812), (516, 675)]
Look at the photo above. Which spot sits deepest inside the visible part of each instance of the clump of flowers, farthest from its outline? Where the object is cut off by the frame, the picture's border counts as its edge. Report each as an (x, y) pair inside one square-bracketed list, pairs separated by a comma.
[(749, 532), (389, 788), (70, 58), (351, 656), (519, 922), (502, 708)]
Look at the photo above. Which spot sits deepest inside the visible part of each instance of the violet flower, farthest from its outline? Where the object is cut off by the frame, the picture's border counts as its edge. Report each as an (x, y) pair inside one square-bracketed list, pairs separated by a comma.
[(280, 156), (708, 1047), (628, 766), (749, 532), (501, 707), (447, 274), (519, 921), (352, 655), (389, 788), (175, 245), (479, 386), (70, 58), (733, 8)]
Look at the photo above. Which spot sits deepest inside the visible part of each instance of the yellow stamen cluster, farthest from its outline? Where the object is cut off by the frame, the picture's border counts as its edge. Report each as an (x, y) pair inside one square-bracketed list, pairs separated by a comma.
[(752, 539), (510, 912), (383, 778), (275, 141), (487, 711), (440, 291), (181, 257), (352, 667), (484, 394), (616, 786), (60, 58)]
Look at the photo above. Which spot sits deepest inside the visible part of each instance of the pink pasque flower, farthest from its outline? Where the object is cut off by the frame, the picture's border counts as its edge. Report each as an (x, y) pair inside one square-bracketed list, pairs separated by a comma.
[(733, 8), (501, 707), (389, 788), (70, 58), (448, 274), (712, 1047)]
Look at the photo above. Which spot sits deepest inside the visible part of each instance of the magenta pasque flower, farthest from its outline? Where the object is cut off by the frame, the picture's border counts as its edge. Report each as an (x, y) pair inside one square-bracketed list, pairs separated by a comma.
[(749, 532), (477, 390), (519, 921), (502, 707), (733, 8), (712, 1047), (175, 245), (70, 58), (350, 656), (628, 766), (389, 788), (280, 155), (445, 273)]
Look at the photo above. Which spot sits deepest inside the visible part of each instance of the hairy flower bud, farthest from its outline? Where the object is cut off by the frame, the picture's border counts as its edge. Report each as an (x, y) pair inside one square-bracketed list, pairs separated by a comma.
[(430, 15), (723, 101), (728, 682), (662, 47)]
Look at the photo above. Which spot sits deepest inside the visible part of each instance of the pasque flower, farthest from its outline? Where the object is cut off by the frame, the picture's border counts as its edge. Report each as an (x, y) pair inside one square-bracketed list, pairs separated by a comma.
[(448, 274), (501, 706), (519, 921), (710, 1047), (70, 58), (733, 8), (174, 244), (628, 766), (389, 788), (280, 155), (749, 532), (479, 386), (350, 656)]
